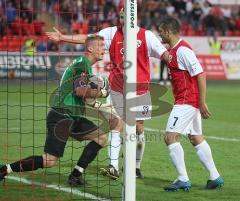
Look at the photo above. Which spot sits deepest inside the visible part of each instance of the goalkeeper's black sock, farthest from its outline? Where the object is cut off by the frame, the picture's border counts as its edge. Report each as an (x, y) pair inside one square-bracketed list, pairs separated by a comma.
[(88, 155), (28, 164), (3, 171)]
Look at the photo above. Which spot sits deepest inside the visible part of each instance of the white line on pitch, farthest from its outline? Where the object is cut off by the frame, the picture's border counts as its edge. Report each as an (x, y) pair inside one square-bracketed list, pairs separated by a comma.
[(59, 188), (151, 130), (223, 138), (209, 137)]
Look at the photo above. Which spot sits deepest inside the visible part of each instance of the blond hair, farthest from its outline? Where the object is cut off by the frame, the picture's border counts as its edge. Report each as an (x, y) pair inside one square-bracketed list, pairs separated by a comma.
[(91, 38)]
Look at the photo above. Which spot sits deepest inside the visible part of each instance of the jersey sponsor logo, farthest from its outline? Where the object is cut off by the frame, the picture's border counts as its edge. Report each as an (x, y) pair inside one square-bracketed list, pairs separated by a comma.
[(81, 81), (122, 50), (169, 73), (145, 110), (170, 58), (194, 70), (194, 67), (83, 74), (139, 43)]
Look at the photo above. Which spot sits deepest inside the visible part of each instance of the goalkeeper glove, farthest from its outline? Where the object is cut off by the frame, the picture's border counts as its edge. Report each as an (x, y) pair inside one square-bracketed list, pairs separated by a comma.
[(107, 110)]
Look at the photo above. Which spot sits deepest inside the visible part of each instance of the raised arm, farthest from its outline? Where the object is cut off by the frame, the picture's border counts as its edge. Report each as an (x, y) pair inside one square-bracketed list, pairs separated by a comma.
[(57, 36)]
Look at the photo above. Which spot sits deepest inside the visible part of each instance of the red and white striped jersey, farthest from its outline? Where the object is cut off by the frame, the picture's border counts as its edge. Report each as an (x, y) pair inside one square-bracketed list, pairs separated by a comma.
[(183, 67), (148, 45)]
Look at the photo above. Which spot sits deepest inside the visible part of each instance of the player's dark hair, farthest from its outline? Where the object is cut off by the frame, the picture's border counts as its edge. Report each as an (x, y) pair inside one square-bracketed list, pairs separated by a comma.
[(170, 24)]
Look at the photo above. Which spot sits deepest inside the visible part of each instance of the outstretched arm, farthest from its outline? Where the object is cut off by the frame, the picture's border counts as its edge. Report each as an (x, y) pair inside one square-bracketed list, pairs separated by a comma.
[(57, 36)]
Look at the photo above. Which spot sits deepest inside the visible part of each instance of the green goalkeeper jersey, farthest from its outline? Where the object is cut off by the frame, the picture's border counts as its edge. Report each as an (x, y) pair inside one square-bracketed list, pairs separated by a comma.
[(64, 96)]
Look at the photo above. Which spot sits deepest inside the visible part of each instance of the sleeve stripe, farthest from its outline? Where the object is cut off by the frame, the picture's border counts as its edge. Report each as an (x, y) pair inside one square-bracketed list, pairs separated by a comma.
[(198, 74)]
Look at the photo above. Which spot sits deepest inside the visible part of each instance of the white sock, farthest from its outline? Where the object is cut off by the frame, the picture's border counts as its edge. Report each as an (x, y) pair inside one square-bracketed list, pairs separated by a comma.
[(140, 149), (205, 155), (80, 169), (9, 169), (114, 140), (177, 155)]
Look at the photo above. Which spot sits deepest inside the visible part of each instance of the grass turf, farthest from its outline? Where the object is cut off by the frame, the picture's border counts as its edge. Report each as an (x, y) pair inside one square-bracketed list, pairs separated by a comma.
[(23, 109)]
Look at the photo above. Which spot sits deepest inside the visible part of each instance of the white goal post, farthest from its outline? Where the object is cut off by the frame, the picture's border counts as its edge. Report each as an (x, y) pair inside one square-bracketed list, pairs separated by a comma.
[(130, 55)]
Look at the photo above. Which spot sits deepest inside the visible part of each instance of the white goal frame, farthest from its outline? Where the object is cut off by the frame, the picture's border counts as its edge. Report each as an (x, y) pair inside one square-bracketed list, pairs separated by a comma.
[(130, 55)]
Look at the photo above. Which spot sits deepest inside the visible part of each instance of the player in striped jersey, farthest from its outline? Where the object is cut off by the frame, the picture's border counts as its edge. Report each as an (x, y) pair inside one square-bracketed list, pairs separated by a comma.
[(148, 46), (189, 89)]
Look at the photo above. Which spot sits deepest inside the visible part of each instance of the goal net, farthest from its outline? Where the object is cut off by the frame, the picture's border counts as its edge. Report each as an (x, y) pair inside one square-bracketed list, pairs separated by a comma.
[(31, 66)]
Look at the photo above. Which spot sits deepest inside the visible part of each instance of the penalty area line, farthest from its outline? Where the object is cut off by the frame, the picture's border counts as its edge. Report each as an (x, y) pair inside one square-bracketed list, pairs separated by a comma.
[(163, 132), (58, 188)]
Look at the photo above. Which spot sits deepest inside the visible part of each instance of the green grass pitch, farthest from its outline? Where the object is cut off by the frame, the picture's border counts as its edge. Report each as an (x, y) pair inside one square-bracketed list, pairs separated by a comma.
[(23, 109)]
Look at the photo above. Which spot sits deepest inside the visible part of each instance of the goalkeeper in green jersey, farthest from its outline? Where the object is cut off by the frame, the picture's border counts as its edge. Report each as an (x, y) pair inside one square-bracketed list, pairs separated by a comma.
[(66, 117)]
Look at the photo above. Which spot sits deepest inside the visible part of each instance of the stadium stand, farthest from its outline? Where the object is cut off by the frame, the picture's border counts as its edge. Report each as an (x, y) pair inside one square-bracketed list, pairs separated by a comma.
[(19, 20)]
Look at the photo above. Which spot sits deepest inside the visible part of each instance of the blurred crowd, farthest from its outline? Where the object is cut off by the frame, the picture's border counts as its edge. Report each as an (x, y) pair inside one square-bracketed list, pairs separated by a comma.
[(197, 17), (12, 10)]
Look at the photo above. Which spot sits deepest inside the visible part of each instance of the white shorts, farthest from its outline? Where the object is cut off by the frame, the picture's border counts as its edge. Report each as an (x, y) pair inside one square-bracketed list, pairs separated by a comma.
[(185, 119), (143, 107)]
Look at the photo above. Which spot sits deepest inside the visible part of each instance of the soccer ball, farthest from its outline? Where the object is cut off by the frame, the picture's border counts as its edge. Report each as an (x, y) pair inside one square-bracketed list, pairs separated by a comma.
[(96, 82), (100, 83)]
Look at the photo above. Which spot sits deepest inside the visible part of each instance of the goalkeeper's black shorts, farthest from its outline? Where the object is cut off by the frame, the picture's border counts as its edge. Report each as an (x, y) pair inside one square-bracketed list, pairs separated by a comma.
[(60, 128)]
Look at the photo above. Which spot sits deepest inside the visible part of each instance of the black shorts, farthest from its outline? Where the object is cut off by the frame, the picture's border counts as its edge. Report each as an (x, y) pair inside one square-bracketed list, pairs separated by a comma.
[(60, 127)]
